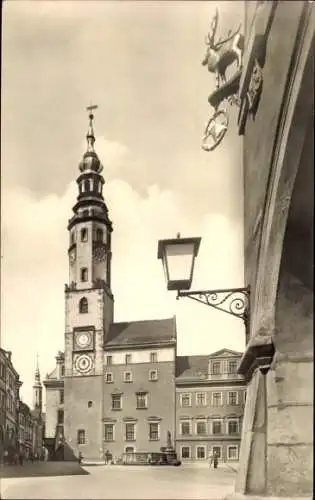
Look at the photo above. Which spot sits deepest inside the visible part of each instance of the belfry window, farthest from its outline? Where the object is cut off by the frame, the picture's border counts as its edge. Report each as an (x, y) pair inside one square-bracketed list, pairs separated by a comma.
[(84, 274), (99, 234), (72, 238), (84, 234), (86, 185), (83, 305)]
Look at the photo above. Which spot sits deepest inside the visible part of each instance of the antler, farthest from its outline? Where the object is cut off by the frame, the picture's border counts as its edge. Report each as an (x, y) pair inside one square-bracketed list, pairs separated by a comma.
[(229, 37), (213, 28)]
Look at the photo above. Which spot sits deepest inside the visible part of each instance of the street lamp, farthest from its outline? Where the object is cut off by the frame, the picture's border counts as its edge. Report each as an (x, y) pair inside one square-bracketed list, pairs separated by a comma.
[(178, 259)]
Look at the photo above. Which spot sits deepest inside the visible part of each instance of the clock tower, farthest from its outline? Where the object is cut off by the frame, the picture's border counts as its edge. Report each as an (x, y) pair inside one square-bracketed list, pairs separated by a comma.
[(89, 305)]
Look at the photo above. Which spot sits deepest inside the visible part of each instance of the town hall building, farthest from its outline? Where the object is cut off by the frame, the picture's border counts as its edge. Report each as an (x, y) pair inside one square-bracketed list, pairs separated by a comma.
[(113, 388)]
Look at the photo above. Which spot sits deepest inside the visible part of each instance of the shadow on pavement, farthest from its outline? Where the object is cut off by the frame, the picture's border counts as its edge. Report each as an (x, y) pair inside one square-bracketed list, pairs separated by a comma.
[(41, 469)]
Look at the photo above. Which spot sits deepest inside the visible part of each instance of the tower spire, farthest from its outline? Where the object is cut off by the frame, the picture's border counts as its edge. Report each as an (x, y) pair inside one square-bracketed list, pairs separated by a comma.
[(90, 134), (37, 373)]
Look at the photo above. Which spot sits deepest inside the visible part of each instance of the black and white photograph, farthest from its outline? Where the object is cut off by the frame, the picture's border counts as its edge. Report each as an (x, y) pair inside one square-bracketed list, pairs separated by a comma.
[(157, 201)]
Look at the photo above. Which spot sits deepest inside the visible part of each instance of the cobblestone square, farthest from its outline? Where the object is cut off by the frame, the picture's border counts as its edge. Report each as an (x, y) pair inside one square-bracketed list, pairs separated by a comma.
[(119, 482)]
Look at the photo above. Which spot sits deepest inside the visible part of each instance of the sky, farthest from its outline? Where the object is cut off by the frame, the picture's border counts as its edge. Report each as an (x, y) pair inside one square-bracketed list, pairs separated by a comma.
[(140, 62)]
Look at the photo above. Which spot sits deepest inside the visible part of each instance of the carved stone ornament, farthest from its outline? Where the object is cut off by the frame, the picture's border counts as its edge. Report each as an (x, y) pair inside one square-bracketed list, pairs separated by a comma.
[(255, 86)]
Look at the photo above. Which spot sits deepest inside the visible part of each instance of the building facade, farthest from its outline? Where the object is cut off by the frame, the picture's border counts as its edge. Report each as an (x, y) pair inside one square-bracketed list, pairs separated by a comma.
[(21, 427), (10, 397), (210, 400), (25, 430), (115, 375), (277, 89)]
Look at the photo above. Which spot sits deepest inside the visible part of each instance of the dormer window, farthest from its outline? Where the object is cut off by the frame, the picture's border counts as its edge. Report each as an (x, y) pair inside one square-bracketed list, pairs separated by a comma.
[(216, 368), (84, 234)]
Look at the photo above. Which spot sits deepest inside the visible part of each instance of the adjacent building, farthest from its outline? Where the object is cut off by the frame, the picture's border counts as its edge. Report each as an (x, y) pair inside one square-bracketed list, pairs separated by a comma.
[(10, 397), (21, 428), (210, 399), (277, 90)]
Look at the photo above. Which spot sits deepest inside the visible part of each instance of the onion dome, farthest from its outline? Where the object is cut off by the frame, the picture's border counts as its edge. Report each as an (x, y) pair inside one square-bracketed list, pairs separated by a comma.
[(90, 159)]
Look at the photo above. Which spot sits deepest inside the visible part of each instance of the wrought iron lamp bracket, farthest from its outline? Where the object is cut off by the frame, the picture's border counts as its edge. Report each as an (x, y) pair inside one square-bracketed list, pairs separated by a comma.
[(233, 301)]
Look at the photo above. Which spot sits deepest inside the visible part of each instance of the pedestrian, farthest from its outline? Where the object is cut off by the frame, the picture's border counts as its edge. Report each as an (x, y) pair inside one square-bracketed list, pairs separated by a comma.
[(210, 459), (80, 457), (215, 460)]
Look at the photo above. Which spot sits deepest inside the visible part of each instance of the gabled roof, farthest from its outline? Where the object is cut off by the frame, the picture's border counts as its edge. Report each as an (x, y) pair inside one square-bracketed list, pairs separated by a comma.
[(138, 333), (52, 374), (196, 367), (225, 353)]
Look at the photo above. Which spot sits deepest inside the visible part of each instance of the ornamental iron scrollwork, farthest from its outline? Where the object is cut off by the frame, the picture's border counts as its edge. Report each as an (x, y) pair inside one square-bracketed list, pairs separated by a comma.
[(234, 301), (219, 56), (215, 130)]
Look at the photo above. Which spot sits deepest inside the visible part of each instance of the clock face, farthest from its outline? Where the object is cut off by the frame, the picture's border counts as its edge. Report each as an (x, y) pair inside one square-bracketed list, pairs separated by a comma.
[(84, 340), (99, 253), (83, 364)]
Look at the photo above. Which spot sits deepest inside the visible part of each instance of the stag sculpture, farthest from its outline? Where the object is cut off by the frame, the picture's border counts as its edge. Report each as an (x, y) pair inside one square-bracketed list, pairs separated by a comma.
[(223, 53)]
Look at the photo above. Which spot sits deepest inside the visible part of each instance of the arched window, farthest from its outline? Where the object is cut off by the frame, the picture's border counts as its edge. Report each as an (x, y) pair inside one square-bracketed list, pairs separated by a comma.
[(84, 274), (99, 234), (86, 185), (83, 305)]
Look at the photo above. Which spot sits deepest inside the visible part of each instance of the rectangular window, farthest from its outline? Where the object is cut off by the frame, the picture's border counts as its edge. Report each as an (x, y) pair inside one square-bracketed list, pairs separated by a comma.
[(109, 432), (116, 402), (129, 432), (154, 431), (185, 399), (232, 452), (142, 400), (232, 398), (217, 427), (127, 377), (153, 375), (109, 360), (153, 357), (232, 367), (217, 451), (201, 452), (201, 428), (244, 396), (62, 370), (84, 274), (232, 427), (185, 452), (109, 378), (216, 368), (185, 428), (84, 234), (61, 396), (127, 359), (201, 399), (60, 417), (81, 436), (216, 398)]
